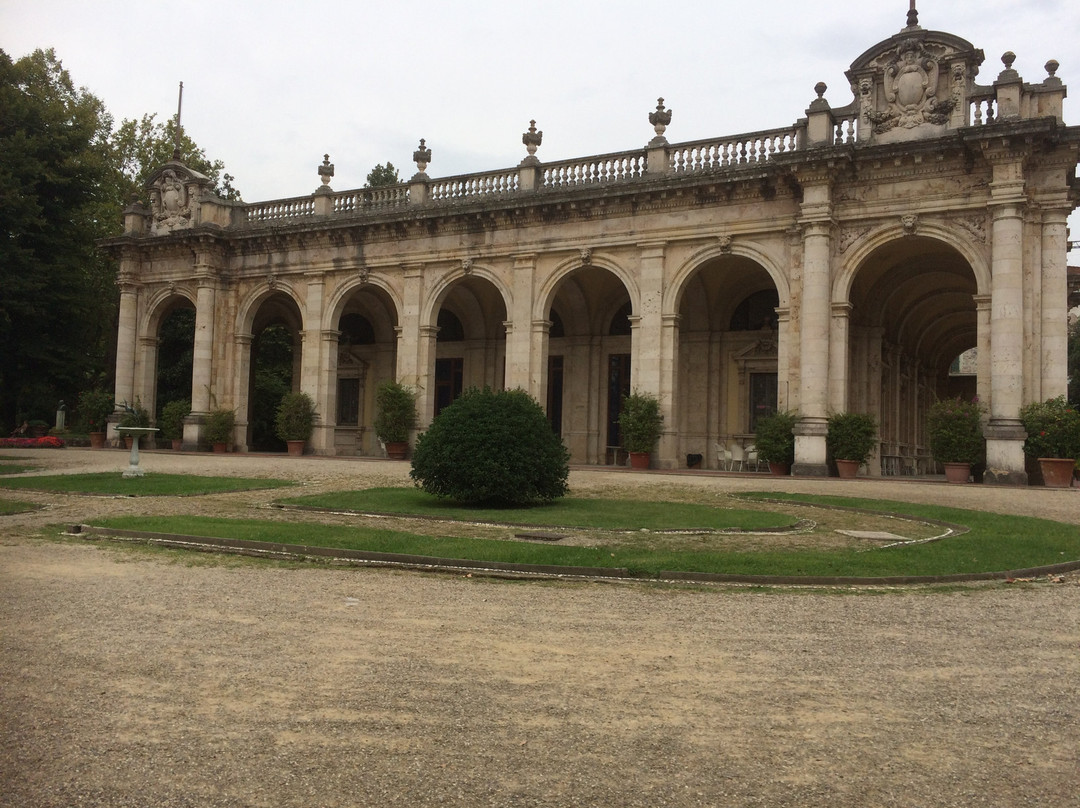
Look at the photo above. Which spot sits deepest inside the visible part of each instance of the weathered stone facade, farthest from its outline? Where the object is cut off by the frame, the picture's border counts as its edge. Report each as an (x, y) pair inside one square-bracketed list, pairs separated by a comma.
[(840, 263)]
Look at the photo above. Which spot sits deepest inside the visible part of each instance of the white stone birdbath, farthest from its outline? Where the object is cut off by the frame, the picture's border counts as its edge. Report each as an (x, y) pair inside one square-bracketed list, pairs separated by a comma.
[(135, 432)]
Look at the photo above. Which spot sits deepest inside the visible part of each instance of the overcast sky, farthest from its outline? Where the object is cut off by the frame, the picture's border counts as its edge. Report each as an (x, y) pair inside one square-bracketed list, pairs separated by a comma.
[(270, 86)]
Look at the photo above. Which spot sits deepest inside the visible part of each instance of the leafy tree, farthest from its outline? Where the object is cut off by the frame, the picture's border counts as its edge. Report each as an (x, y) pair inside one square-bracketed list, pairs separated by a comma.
[(140, 147), (492, 448), (59, 296), (65, 178), (382, 176)]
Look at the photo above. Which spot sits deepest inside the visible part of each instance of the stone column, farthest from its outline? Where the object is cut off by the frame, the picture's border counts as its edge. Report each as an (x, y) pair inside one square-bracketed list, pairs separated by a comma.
[(1055, 339), (647, 345), (522, 352), (839, 357), (783, 369), (1004, 434), (126, 339), (146, 375), (814, 329), (203, 350), (669, 391), (322, 439), (982, 342)]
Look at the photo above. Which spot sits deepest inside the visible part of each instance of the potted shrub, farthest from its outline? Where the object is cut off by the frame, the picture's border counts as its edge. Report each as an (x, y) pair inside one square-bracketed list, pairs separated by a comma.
[(219, 427), (1053, 438), (775, 441), (954, 428), (171, 422), (136, 416), (395, 415), (295, 421), (640, 424), (850, 440), (95, 407)]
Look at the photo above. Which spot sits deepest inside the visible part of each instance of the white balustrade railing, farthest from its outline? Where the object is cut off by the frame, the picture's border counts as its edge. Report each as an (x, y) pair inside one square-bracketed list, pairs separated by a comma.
[(371, 199), (983, 107), (717, 153), (467, 186), (279, 209), (702, 155), (591, 170)]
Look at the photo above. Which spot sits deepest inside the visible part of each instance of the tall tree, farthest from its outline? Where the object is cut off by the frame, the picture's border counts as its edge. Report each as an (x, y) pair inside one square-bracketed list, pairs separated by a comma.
[(58, 291), (382, 176), (139, 147)]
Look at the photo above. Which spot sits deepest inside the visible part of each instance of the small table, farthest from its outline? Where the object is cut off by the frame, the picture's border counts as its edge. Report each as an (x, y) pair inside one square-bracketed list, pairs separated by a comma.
[(135, 432)]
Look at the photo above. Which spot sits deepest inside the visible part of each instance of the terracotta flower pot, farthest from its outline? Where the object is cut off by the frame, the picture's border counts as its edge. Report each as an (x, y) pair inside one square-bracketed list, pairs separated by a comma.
[(97, 440), (221, 448), (296, 447), (779, 469), (1057, 472), (128, 440), (177, 444), (396, 450), (847, 469), (639, 460), (957, 472)]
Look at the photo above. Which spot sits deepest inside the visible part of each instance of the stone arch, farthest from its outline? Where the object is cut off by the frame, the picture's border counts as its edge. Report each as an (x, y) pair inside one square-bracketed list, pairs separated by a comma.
[(335, 305), (976, 257), (445, 284), (545, 295), (250, 304), (160, 303), (750, 250)]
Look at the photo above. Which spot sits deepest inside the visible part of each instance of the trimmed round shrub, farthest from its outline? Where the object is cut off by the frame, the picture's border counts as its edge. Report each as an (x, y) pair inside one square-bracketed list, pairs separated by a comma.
[(494, 449)]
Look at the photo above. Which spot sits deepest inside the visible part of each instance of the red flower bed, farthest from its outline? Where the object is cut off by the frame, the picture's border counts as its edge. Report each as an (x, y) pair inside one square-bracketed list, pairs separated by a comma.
[(47, 442)]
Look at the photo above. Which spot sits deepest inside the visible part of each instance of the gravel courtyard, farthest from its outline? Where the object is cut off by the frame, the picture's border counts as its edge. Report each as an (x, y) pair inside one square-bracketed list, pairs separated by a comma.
[(154, 679)]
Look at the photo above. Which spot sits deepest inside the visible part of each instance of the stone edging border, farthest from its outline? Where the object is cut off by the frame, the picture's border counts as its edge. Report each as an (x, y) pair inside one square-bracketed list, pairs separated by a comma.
[(501, 569)]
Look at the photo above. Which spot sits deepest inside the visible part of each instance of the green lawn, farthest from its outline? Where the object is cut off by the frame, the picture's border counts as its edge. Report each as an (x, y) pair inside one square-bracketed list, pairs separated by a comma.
[(8, 506), (994, 543), (602, 514), (152, 485)]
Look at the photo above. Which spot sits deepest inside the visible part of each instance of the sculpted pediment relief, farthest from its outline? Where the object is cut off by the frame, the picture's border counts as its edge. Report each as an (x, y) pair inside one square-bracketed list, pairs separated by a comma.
[(174, 193), (914, 85)]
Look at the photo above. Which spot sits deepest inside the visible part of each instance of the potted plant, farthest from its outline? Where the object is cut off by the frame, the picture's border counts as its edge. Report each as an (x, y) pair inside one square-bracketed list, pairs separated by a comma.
[(775, 441), (850, 440), (295, 421), (95, 407), (171, 421), (954, 427), (640, 424), (395, 415), (219, 427), (136, 416), (1053, 429)]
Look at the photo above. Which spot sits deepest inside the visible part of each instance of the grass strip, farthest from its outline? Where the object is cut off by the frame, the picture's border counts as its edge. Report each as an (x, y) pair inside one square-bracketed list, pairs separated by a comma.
[(9, 506), (597, 514), (995, 543), (150, 485), (11, 468)]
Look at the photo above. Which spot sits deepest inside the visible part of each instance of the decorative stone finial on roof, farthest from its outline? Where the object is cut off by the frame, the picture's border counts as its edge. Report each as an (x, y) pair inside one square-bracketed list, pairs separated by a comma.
[(1008, 74), (326, 170), (422, 156), (912, 16), (532, 139), (660, 119)]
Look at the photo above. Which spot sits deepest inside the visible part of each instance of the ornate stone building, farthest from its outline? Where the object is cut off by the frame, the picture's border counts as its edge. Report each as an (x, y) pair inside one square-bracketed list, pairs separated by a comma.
[(840, 263)]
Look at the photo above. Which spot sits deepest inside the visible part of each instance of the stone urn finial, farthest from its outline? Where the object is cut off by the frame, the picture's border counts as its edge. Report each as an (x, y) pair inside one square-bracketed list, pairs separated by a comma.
[(326, 170), (422, 156), (532, 138), (660, 119)]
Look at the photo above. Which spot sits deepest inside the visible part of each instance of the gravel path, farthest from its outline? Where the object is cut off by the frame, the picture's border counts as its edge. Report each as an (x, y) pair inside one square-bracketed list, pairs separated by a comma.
[(131, 679)]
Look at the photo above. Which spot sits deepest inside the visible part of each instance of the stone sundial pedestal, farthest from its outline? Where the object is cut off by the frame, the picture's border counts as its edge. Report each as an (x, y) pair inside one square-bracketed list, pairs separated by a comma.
[(135, 432)]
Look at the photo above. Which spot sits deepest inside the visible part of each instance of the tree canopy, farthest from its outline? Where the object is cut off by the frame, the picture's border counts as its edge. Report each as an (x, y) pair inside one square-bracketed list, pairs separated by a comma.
[(382, 176), (65, 178)]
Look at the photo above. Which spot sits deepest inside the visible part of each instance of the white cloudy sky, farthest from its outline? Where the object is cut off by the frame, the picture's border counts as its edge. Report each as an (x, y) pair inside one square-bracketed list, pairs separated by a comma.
[(270, 85)]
